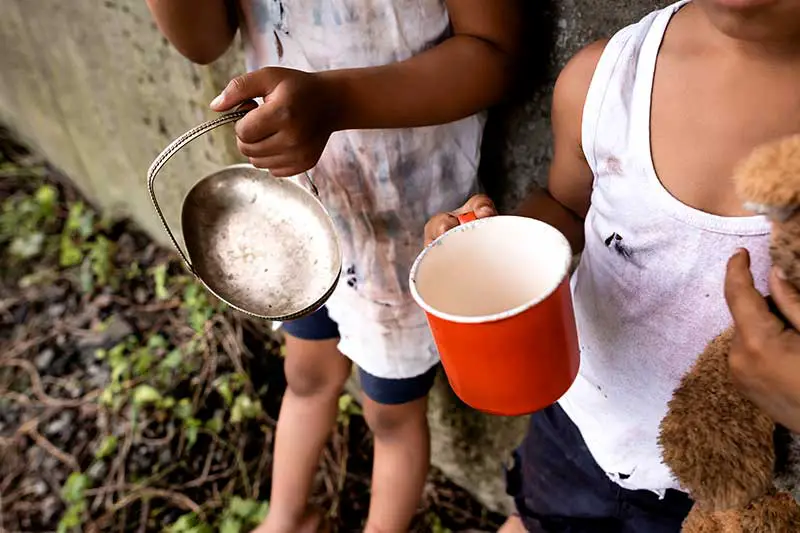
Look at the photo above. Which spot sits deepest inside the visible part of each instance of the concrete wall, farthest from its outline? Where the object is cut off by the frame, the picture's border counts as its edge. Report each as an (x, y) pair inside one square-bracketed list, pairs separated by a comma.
[(93, 85)]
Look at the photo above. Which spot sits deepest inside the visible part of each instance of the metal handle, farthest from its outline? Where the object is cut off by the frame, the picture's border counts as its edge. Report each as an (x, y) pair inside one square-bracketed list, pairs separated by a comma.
[(172, 149), (165, 156)]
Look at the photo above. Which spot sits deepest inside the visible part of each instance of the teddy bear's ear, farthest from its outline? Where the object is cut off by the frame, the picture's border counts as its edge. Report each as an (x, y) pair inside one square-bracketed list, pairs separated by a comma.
[(717, 443), (768, 180)]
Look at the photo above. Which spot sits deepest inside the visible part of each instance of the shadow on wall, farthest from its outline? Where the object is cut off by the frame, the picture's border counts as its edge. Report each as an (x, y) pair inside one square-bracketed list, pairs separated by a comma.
[(535, 76)]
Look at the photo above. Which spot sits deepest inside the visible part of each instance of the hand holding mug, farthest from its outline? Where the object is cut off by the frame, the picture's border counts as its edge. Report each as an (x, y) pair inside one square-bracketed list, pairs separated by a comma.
[(480, 204)]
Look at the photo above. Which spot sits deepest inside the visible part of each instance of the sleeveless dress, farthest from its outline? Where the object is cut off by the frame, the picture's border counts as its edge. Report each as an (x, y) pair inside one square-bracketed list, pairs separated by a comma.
[(380, 186), (649, 288)]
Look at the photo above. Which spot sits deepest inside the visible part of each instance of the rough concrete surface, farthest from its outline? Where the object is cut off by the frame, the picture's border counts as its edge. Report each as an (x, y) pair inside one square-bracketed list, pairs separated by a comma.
[(94, 86)]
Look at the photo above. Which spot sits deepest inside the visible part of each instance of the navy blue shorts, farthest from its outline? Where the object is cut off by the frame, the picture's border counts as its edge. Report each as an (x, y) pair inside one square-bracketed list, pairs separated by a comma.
[(559, 488), (319, 327)]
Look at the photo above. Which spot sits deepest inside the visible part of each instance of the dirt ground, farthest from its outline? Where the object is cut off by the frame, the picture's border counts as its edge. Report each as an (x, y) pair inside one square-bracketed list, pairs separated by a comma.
[(132, 401)]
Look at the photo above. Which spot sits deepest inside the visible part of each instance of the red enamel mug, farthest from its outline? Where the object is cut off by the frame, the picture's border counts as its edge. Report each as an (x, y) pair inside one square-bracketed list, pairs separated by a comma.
[(498, 302)]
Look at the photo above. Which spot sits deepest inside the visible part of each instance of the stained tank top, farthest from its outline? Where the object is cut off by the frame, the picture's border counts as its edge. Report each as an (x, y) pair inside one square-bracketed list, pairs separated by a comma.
[(649, 288), (380, 186)]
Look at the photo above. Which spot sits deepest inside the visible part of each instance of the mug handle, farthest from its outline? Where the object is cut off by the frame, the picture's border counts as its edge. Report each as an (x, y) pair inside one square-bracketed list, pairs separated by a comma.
[(466, 217)]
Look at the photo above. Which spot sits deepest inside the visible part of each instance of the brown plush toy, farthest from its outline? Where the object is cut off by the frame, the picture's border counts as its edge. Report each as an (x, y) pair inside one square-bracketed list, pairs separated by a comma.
[(742, 470)]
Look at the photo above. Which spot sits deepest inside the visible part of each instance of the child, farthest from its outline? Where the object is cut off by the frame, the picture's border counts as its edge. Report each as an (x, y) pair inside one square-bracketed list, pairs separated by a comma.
[(648, 127), (363, 66)]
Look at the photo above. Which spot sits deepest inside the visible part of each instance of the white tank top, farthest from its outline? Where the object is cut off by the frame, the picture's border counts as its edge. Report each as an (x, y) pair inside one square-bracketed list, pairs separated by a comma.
[(649, 288), (380, 186)]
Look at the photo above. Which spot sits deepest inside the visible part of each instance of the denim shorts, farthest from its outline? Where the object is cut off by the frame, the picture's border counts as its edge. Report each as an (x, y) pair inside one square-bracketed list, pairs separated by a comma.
[(559, 488), (319, 326)]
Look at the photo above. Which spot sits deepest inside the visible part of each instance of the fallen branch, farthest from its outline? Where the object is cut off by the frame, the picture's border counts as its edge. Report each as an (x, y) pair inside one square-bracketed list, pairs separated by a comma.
[(31, 429)]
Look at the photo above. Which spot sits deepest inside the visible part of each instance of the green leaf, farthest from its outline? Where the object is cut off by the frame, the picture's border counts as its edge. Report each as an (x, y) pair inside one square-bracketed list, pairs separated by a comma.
[(244, 408), (101, 257), (230, 525), (223, 386), (72, 518), (107, 447), (40, 277), (71, 253), (157, 341), (145, 394), (260, 513), (348, 405), (47, 197), (74, 488), (184, 523), (142, 361), (80, 221), (192, 427), (27, 246), (183, 409), (215, 425), (242, 508), (173, 360), (160, 279)]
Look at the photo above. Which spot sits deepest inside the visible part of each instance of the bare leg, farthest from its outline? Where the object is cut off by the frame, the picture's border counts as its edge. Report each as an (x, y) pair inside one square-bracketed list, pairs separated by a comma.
[(512, 525), (402, 455), (315, 373)]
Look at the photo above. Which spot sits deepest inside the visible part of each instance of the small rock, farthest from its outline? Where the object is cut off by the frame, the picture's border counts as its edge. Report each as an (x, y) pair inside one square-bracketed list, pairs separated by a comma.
[(97, 471), (49, 507), (56, 310), (39, 488), (141, 295), (165, 456), (73, 388), (59, 424), (50, 463), (103, 301), (44, 359), (115, 330)]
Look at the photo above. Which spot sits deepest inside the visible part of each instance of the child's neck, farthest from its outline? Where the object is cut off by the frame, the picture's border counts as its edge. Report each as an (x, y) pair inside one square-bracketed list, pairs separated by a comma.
[(783, 50)]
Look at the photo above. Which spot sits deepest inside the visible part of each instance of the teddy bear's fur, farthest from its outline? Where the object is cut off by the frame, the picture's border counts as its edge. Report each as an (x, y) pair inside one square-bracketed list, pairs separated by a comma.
[(742, 470)]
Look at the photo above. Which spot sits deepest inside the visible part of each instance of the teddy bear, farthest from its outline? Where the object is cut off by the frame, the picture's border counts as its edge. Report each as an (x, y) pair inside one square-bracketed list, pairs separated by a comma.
[(741, 469)]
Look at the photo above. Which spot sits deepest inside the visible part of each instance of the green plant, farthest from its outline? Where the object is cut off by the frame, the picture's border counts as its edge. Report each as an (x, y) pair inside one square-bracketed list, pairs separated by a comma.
[(73, 494), (25, 221), (348, 408), (435, 524)]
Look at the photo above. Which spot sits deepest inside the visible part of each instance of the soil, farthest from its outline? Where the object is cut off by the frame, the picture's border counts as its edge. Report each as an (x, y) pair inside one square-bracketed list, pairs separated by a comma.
[(131, 401)]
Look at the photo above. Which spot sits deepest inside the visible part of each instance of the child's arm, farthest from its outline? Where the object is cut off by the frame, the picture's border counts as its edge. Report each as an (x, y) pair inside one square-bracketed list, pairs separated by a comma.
[(565, 202), (466, 73), (201, 30)]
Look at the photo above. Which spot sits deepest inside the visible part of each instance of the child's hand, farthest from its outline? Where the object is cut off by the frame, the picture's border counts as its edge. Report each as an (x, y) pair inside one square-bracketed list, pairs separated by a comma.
[(289, 131), (480, 204), (765, 356)]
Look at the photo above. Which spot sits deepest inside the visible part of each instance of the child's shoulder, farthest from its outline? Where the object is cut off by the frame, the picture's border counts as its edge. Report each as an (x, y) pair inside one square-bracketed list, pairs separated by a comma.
[(575, 79)]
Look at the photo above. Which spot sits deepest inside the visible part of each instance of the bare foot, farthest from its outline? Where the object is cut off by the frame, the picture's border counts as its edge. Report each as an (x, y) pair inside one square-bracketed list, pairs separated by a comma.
[(313, 522)]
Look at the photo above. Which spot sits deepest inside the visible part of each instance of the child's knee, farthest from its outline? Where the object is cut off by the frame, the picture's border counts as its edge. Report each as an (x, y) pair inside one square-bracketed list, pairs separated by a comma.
[(391, 421), (316, 370)]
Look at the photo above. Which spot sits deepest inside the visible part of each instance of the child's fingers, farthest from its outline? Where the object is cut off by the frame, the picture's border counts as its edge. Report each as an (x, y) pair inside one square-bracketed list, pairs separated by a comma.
[(438, 225), (480, 204), (754, 322), (786, 297), (245, 87), (259, 124)]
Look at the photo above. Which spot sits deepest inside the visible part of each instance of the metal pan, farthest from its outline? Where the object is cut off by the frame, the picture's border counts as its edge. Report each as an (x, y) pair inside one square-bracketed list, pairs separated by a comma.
[(265, 246)]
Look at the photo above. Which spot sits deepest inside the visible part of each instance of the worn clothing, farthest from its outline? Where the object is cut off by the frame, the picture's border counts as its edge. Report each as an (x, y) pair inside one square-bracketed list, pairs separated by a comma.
[(648, 290), (559, 488), (380, 186), (387, 391)]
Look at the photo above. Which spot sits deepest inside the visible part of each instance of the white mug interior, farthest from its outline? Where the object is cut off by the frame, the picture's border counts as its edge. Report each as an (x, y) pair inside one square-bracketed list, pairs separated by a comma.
[(490, 269)]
